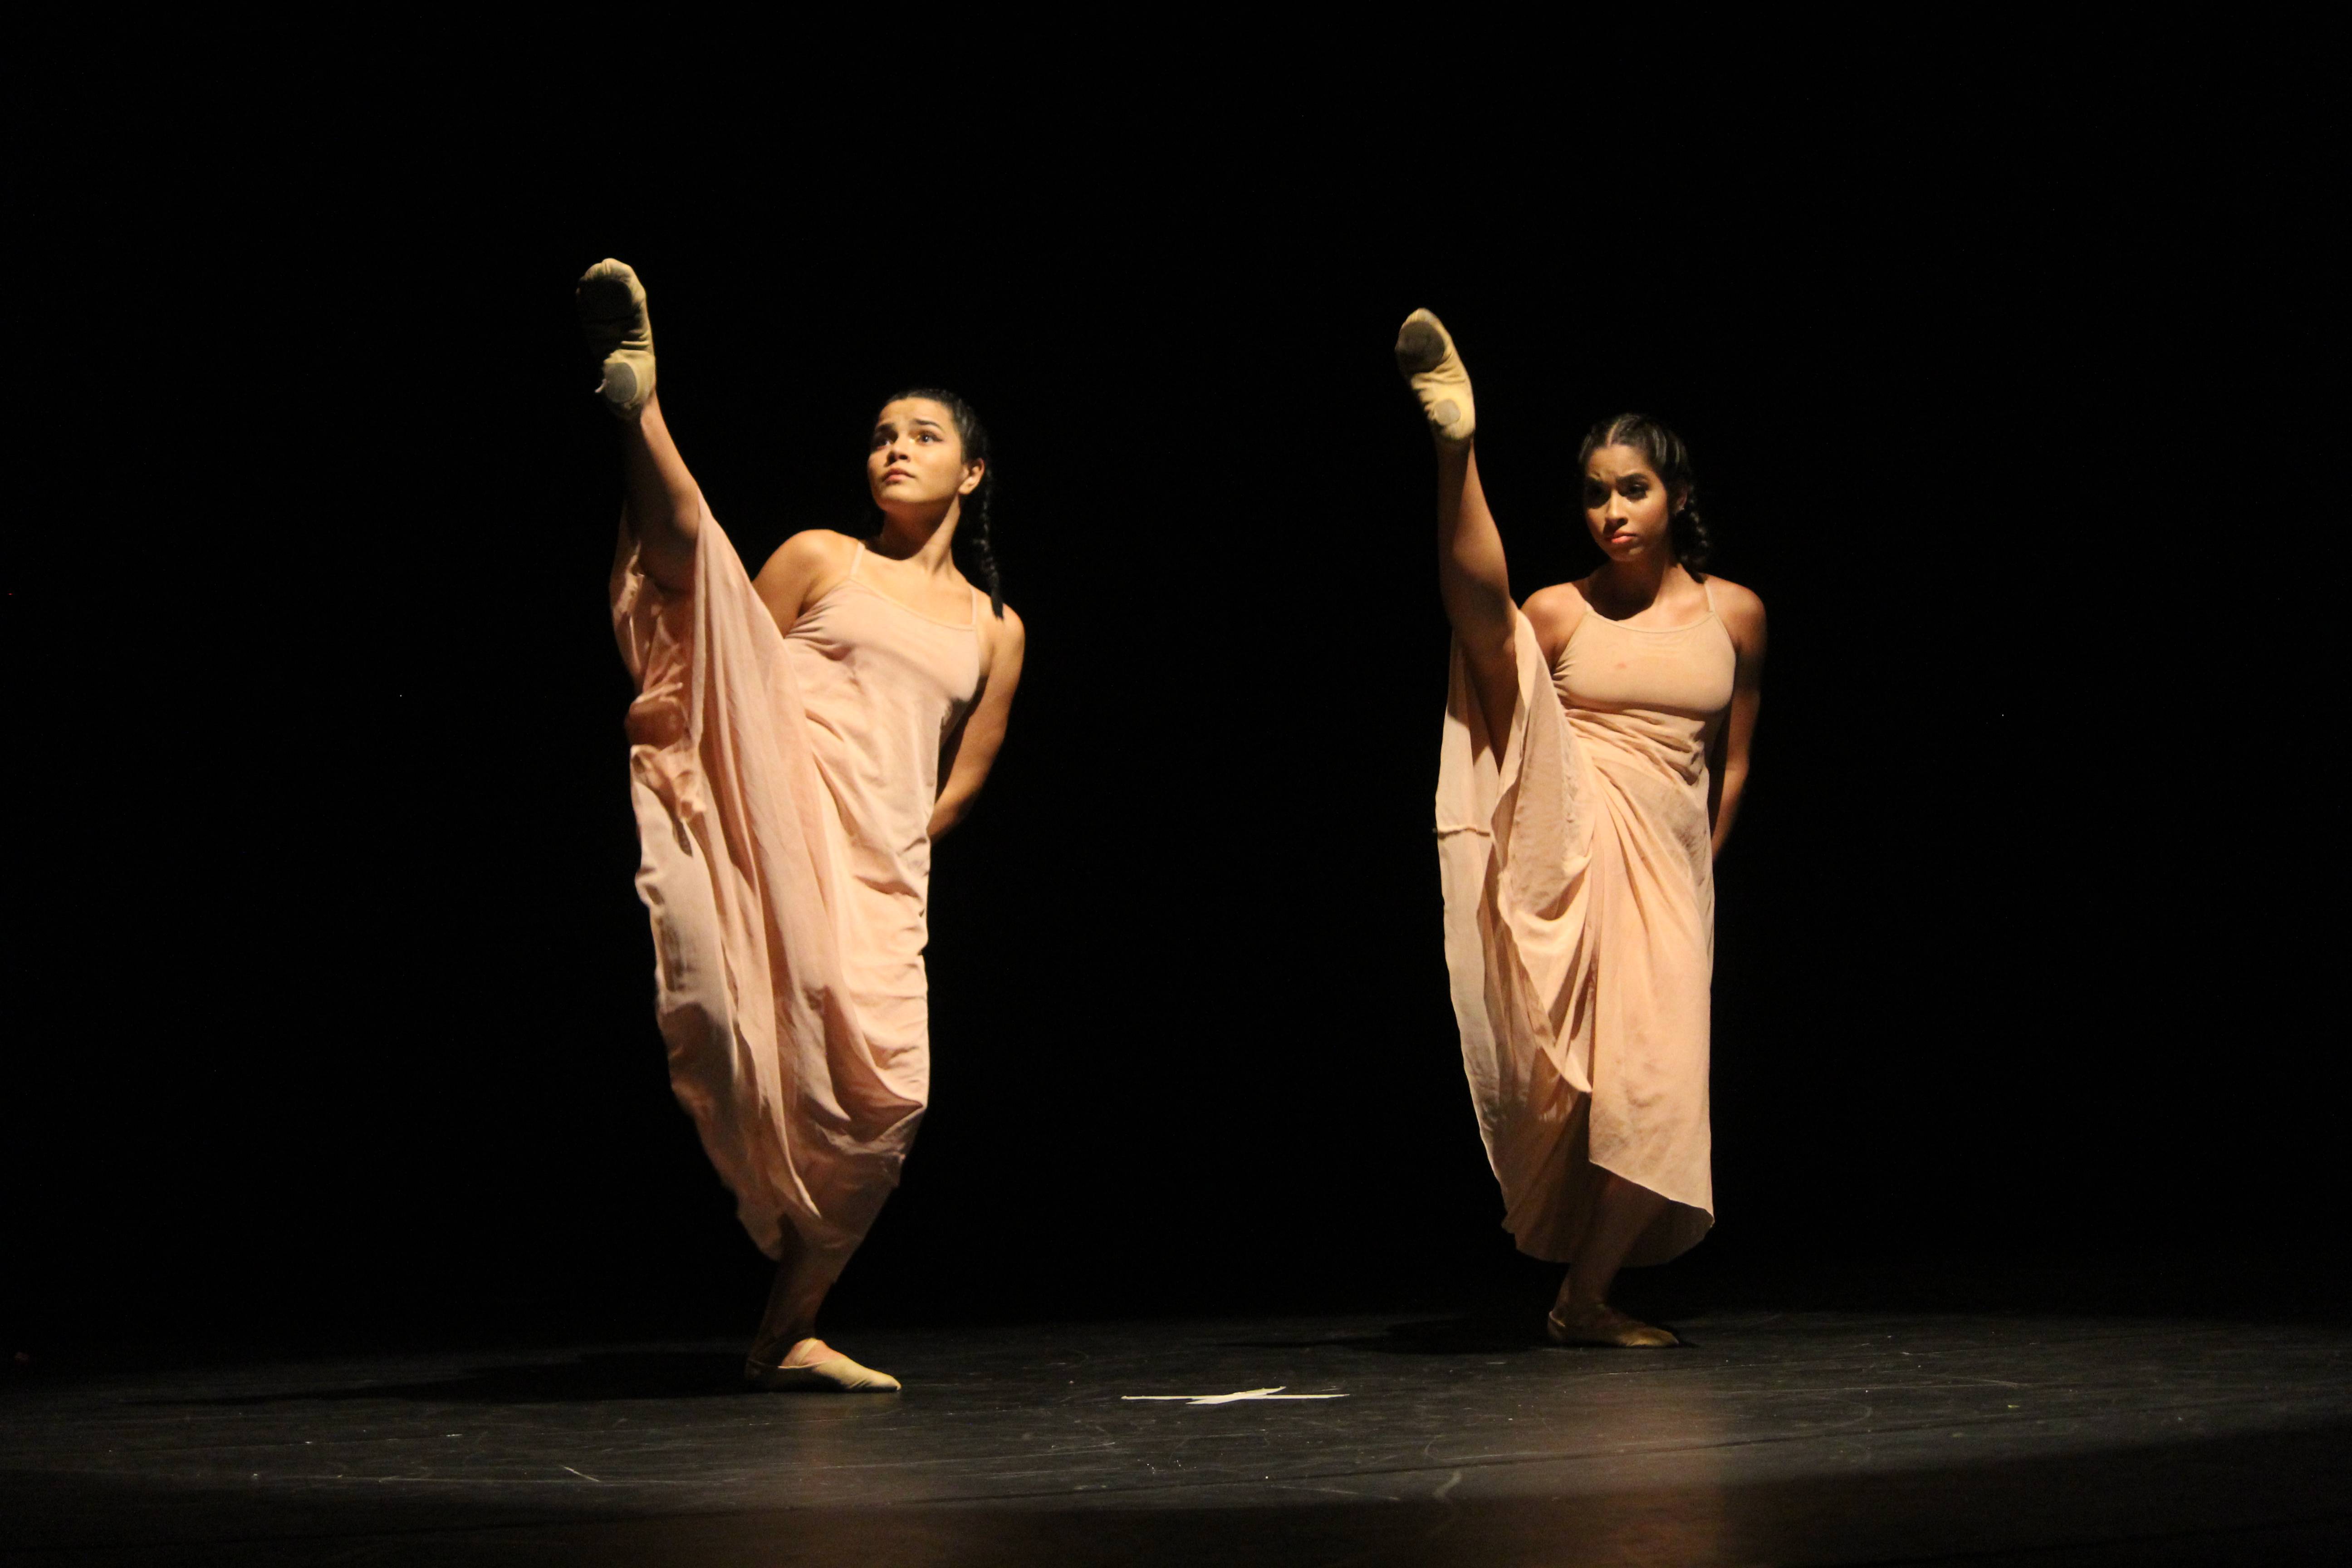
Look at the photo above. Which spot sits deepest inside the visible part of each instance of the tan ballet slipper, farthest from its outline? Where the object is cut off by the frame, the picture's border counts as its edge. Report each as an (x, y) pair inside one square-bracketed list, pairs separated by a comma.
[(1602, 1324), (1424, 353), (612, 315), (834, 1373)]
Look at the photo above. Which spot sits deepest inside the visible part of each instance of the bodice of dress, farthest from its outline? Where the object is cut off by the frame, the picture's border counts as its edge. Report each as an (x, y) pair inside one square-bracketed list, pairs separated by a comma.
[(1576, 856), (1647, 698), (884, 685)]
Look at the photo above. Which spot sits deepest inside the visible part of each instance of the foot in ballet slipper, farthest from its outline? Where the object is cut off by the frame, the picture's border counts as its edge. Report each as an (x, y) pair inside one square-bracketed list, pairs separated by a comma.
[(1601, 1324), (620, 333), (1424, 354), (815, 1367)]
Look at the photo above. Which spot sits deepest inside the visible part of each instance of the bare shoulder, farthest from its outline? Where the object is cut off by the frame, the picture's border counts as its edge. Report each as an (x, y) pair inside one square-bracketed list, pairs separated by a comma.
[(1742, 613), (1553, 612), (803, 568), (812, 547), (1008, 642)]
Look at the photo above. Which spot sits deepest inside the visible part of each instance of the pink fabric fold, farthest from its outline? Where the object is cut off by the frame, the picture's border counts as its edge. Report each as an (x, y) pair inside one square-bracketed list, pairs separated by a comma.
[(1579, 942), (806, 1117)]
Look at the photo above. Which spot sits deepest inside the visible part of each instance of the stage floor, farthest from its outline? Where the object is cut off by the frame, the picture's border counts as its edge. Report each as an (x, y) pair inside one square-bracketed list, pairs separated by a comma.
[(1797, 1437)]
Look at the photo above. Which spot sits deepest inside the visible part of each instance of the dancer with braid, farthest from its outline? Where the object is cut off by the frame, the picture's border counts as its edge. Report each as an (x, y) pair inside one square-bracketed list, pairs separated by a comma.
[(798, 741), (1595, 748)]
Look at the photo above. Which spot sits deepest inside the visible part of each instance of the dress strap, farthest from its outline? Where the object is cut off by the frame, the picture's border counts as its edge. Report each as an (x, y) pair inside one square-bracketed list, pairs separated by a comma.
[(1706, 586), (856, 556)]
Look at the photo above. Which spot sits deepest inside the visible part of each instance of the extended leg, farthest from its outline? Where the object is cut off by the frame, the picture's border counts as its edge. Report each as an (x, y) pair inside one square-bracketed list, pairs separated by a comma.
[(665, 503), (1473, 581)]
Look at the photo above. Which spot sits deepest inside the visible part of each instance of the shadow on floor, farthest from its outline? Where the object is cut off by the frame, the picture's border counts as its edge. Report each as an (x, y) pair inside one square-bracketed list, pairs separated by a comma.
[(587, 1379)]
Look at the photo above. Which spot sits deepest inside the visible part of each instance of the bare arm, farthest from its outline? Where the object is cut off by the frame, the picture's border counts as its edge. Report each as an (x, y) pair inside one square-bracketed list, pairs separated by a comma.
[(974, 750), (665, 504), (1473, 581), (1743, 616)]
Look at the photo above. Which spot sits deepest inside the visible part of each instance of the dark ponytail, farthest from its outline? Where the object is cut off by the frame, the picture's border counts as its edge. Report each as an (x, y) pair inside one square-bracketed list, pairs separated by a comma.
[(979, 552), (975, 551), (1669, 460)]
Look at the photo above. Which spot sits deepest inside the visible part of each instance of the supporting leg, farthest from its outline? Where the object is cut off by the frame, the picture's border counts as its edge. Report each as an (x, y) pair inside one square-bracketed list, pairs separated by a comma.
[(1582, 1315), (799, 1289), (786, 1354)]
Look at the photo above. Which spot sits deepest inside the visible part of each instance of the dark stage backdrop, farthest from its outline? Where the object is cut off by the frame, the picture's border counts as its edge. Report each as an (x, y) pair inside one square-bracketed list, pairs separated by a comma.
[(333, 1004)]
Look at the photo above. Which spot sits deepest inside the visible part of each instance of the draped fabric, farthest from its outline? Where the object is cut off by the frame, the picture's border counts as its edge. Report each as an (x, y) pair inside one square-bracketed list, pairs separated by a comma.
[(783, 785), (1579, 923)]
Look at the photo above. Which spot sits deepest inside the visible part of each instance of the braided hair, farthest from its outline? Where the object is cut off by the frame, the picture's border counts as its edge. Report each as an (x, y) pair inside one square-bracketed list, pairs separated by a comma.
[(1669, 460), (975, 552)]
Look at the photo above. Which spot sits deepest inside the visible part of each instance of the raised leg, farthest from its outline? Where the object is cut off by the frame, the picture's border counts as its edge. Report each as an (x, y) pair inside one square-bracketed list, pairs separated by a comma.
[(1474, 581), (665, 504)]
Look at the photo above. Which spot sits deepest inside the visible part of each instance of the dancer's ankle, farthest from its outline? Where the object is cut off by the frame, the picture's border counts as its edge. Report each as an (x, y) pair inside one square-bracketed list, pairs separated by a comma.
[(1571, 1299)]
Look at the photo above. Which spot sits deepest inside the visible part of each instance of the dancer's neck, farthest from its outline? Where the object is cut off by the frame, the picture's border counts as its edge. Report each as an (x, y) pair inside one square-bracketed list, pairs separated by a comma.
[(925, 539), (1631, 586)]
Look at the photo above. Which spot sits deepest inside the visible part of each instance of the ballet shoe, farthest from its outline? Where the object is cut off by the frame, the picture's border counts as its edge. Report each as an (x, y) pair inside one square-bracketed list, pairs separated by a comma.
[(835, 1374), (612, 315), (1424, 354), (1602, 1324)]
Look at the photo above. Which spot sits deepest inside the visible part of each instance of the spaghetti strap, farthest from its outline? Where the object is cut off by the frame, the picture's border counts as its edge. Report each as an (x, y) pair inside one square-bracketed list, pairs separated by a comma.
[(859, 554), (1706, 586)]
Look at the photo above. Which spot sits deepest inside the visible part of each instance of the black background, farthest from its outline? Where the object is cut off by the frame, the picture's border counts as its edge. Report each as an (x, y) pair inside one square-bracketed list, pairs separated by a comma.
[(333, 990)]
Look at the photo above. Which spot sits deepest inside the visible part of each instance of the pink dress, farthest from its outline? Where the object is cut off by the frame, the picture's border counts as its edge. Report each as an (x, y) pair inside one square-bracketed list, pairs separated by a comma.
[(783, 785), (1579, 923)]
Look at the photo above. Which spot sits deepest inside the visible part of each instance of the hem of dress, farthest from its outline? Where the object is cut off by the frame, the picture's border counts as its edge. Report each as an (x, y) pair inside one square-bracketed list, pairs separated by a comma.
[(1635, 1256)]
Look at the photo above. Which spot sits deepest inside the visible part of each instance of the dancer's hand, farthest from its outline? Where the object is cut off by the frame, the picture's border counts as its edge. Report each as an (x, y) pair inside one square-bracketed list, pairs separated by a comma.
[(1424, 354), (612, 315)]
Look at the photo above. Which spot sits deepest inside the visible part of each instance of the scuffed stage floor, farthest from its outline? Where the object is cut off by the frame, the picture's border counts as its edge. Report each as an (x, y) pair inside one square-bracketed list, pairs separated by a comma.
[(1803, 1438)]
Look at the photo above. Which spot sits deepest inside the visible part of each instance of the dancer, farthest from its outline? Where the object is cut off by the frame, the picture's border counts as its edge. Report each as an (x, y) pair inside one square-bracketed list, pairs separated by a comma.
[(1595, 748), (797, 742)]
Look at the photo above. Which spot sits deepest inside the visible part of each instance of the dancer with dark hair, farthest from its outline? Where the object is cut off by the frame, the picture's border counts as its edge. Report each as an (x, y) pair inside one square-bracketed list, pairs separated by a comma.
[(798, 741), (1595, 748)]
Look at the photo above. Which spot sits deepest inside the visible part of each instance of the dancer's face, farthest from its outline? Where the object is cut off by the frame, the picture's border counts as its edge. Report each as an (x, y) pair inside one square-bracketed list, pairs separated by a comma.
[(915, 460), (1626, 505)]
